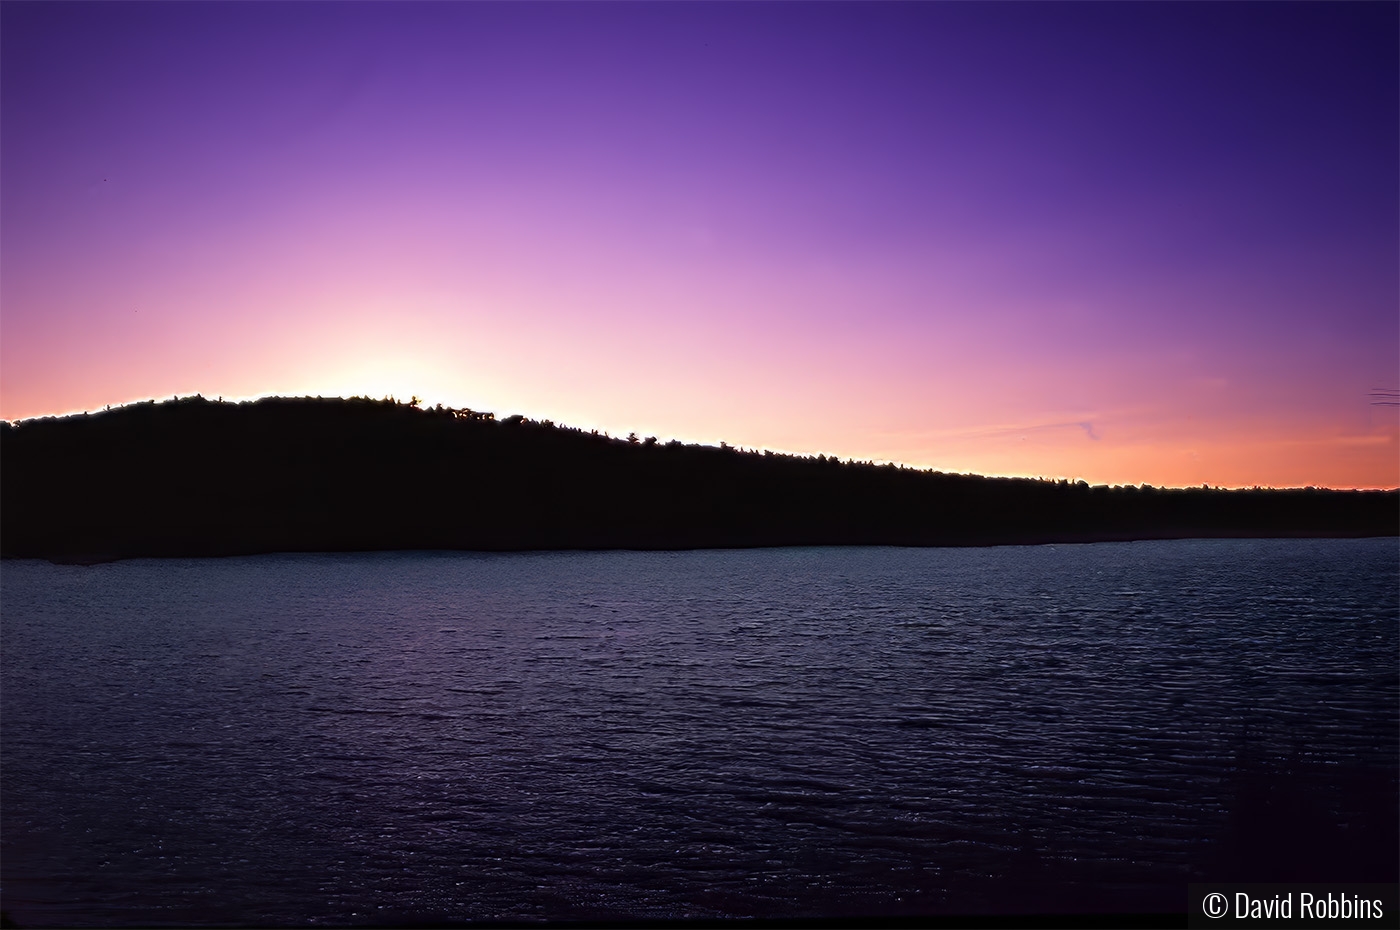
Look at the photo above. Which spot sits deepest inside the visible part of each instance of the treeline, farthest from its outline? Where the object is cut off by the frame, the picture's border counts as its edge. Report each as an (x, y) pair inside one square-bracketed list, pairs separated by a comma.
[(193, 477)]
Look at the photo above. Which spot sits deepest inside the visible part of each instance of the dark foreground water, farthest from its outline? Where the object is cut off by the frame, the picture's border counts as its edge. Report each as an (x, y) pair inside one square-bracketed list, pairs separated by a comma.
[(338, 739)]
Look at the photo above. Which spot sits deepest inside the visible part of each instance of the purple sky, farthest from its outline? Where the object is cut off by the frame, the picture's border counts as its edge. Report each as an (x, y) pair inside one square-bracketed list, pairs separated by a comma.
[(1126, 242)]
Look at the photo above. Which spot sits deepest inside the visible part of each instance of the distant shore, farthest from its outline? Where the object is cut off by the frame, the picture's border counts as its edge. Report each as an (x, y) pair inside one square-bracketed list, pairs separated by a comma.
[(200, 478)]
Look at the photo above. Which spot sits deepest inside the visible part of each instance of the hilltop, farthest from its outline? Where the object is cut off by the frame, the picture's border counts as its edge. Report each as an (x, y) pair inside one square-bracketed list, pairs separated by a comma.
[(193, 477)]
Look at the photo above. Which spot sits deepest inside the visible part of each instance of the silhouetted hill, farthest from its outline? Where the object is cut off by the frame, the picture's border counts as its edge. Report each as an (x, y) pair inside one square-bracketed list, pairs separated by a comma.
[(196, 477)]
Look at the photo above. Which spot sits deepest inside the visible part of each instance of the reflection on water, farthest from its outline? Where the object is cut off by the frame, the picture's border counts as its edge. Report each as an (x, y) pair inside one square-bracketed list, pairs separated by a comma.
[(433, 736)]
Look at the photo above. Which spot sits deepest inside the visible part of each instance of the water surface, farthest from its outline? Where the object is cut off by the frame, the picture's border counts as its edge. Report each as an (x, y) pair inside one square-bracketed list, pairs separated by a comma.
[(372, 738)]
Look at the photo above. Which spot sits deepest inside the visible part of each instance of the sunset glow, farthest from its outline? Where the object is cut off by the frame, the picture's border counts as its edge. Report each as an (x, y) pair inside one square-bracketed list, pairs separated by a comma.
[(1138, 243)]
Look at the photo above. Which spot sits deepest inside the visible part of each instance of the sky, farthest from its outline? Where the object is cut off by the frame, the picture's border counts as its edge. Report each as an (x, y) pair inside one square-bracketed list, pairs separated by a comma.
[(1124, 243)]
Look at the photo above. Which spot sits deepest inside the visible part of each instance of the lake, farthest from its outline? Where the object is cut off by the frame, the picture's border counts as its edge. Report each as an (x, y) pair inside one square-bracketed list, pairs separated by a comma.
[(837, 732)]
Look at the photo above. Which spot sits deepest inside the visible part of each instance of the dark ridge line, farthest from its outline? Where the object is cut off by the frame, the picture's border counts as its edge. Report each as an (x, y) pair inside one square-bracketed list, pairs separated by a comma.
[(467, 413), (193, 477)]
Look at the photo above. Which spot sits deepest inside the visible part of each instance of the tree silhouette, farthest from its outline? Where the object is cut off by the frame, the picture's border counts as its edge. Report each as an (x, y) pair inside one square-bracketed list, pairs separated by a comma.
[(304, 474)]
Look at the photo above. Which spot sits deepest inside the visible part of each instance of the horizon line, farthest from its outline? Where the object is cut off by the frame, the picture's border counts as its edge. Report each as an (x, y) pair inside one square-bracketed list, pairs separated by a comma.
[(422, 405)]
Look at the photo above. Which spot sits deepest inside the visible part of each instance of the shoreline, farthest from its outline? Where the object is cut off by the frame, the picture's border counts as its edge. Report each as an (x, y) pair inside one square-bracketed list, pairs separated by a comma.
[(90, 559)]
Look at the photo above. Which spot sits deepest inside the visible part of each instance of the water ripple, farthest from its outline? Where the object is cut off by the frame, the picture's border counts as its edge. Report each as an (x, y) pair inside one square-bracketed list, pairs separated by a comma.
[(419, 737)]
